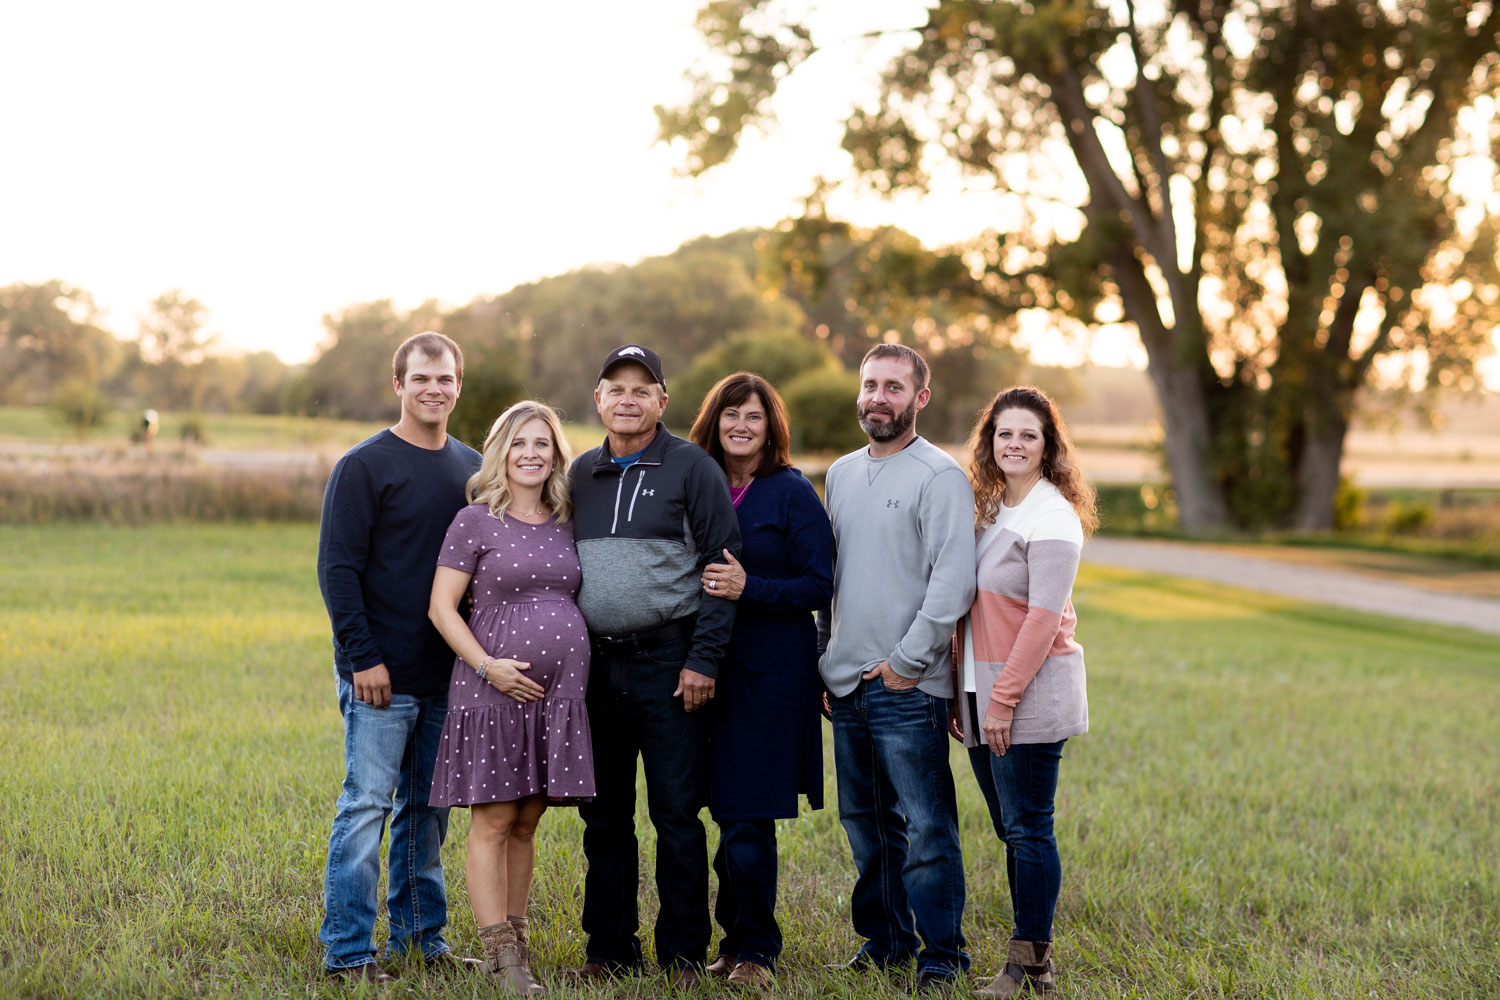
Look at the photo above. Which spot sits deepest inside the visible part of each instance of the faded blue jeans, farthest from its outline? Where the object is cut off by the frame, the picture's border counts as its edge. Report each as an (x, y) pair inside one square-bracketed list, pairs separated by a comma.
[(389, 754), (899, 810)]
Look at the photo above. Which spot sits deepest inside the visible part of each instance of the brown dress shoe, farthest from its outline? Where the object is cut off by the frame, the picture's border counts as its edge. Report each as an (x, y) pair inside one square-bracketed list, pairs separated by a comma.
[(367, 973), (750, 976), (591, 972), (683, 977), (721, 966)]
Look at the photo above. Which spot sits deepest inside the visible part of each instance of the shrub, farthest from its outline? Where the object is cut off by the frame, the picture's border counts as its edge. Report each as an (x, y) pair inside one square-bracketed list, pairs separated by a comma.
[(779, 357), (191, 430), (1134, 508), (821, 407), (489, 387), (1407, 518), (80, 405), (1349, 506)]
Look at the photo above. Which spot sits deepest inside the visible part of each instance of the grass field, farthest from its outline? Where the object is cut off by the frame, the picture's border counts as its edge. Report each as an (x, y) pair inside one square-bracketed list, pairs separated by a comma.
[(1276, 800), (239, 431), (224, 431)]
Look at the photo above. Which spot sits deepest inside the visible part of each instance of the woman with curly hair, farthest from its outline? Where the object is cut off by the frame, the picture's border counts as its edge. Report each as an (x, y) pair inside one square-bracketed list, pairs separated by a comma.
[(1020, 674), (516, 736)]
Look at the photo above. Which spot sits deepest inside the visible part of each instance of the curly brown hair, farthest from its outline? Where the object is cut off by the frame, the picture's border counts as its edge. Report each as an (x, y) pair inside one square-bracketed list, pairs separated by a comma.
[(1059, 460)]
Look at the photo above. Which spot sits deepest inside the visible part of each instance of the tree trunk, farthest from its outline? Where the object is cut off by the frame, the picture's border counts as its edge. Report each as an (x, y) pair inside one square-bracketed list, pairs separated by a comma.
[(1318, 471), (1188, 433)]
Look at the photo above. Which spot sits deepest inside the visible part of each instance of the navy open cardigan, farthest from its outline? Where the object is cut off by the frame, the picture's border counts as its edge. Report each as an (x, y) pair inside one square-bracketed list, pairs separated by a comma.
[(767, 742)]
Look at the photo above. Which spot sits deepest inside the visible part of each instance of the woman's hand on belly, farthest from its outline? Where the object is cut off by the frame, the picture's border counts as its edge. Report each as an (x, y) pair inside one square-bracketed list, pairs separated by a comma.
[(506, 676)]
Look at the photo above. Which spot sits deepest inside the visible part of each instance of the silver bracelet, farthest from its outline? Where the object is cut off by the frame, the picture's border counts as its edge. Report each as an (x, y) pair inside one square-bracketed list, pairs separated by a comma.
[(484, 668)]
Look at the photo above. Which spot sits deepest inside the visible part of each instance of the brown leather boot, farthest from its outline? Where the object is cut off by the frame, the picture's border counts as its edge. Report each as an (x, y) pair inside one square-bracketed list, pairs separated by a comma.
[(1028, 965), (503, 959)]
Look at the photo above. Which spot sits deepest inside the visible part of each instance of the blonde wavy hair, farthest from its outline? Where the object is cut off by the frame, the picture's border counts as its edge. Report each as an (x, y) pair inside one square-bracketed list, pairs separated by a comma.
[(1059, 460), (491, 486)]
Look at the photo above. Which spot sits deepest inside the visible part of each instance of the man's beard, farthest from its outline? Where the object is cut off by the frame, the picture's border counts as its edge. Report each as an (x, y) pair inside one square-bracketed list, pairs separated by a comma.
[(898, 425)]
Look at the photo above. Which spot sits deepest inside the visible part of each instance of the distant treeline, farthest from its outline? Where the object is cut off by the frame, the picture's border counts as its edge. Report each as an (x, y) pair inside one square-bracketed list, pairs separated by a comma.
[(756, 299)]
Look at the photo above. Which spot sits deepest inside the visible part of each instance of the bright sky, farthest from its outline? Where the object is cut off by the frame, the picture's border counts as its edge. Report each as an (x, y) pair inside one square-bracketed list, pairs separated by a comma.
[(279, 161)]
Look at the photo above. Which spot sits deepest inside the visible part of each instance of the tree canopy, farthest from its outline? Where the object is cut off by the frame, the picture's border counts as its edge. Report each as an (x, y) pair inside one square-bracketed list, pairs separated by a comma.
[(49, 334), (1265, 190)]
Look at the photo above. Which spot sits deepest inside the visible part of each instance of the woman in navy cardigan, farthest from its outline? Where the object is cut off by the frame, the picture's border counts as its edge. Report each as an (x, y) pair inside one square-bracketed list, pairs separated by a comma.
[(767, 732)]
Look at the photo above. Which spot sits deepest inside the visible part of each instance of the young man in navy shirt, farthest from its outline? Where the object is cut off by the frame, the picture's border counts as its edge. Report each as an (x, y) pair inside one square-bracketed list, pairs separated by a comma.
[(388, 505)]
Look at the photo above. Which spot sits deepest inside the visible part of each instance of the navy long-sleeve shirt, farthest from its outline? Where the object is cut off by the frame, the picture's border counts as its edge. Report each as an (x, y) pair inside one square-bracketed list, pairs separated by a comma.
[(385, 512)]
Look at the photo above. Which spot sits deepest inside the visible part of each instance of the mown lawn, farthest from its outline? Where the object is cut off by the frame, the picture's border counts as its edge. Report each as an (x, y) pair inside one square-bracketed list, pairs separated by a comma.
[(1277, 800)]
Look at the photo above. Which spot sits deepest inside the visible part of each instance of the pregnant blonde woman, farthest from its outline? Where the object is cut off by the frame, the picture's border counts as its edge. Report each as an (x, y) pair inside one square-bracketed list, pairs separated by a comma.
[(517, 735)]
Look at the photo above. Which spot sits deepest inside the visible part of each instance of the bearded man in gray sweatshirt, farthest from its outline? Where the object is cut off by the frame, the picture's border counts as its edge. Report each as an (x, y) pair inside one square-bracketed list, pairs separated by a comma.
[(903, 528)]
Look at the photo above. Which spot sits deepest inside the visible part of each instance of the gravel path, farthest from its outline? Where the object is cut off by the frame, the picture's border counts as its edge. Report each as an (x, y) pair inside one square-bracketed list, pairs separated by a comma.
[(1326, 586)]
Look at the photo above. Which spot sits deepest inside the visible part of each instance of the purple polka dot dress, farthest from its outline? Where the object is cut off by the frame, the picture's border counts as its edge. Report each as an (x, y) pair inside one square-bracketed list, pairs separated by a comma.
[(497, 749)]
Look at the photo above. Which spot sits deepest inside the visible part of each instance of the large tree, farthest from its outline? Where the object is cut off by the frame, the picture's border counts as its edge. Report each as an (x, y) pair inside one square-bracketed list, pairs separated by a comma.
[(1263, 189), (49, 335), (176, 348)]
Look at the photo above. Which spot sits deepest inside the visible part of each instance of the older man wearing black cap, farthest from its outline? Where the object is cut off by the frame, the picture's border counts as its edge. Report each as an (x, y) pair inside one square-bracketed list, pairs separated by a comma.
[(650, 511)]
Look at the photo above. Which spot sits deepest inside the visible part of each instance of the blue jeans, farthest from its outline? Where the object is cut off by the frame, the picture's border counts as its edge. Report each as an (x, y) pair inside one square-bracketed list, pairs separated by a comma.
[(898, 808), (632, 714), (746, 905), (388, 759), (1019, 789)]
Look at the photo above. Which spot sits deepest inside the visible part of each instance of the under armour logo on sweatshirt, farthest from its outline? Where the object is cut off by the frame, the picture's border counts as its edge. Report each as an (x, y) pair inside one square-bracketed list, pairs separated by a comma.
[(893, 503), (648, 493)]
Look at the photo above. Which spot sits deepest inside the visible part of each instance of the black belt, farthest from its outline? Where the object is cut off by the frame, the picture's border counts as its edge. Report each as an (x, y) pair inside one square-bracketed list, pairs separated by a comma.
[(645, 642)]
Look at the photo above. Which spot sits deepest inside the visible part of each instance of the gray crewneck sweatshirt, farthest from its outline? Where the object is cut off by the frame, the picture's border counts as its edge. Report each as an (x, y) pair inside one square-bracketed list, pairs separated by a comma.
[(903, 575)]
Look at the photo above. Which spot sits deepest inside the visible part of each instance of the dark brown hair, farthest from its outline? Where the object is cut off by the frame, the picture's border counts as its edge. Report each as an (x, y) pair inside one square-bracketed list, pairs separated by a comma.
[(431, 344), (733, 390), (901, 352), (1059, 460)]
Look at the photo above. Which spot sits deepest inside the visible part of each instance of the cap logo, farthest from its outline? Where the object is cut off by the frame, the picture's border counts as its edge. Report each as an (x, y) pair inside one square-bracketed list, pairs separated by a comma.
[(631, 350)]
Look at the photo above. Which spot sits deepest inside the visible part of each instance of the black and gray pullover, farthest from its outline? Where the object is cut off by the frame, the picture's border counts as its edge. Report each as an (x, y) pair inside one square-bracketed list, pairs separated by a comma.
[(644, 535)]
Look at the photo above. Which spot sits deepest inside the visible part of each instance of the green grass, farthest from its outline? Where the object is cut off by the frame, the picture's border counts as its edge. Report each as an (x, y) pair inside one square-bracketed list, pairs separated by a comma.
[(1276, 800), (237, 431), (229, 431)]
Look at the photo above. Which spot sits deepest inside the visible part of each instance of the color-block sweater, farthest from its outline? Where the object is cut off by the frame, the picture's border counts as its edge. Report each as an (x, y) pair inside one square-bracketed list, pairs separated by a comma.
[(644, 536), (1019, 655)]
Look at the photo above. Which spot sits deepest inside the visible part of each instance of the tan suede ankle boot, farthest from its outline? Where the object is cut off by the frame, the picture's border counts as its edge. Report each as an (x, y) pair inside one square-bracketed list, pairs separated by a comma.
[(1028, 966), (523, 938), (503, 960)]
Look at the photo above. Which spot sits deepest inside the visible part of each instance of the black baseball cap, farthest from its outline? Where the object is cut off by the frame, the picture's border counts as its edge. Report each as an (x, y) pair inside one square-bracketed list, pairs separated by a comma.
[(643, 356)]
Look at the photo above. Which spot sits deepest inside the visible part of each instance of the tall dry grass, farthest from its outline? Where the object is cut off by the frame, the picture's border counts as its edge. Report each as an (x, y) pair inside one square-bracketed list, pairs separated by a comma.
[(141, 489)]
